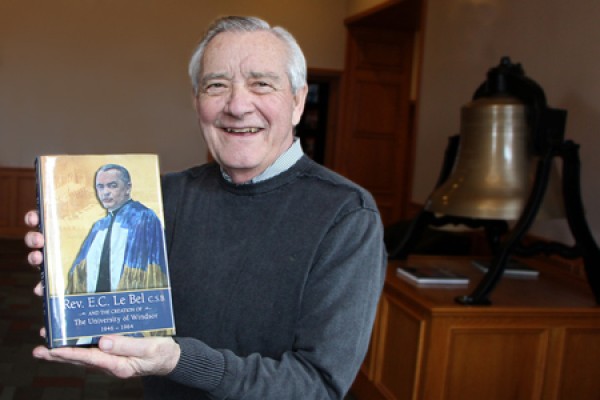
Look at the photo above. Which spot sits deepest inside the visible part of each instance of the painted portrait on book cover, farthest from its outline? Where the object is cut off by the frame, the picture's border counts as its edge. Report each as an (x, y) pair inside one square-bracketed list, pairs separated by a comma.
[(103, 215)]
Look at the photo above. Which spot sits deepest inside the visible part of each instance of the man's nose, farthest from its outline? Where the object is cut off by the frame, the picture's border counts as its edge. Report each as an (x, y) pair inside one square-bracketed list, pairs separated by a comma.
[(239, 102)]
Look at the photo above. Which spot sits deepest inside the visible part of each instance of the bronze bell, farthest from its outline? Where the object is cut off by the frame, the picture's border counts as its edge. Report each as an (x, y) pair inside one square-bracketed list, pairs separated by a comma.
[(494, 167)]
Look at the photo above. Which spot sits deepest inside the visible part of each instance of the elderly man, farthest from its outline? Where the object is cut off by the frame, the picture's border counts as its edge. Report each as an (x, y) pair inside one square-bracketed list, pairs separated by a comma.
[(276, 263)]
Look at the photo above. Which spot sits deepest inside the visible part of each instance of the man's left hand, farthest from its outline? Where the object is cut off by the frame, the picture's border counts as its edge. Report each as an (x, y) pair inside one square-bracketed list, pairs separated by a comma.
[(120, 356)]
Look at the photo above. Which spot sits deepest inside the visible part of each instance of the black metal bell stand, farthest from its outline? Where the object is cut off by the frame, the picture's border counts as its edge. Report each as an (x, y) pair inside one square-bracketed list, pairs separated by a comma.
[(548, 142)]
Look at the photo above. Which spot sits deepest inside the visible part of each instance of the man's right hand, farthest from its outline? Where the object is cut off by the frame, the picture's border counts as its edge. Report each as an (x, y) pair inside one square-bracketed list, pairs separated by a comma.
[(34, 240)]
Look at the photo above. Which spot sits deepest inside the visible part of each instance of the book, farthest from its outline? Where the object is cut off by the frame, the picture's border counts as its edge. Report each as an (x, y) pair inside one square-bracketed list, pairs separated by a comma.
[(105, 267), (432, 276), (513, 268)]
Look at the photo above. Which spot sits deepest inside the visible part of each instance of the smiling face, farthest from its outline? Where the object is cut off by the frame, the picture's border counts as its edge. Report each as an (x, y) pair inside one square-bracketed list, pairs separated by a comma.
[(245, 105), (111, 189)]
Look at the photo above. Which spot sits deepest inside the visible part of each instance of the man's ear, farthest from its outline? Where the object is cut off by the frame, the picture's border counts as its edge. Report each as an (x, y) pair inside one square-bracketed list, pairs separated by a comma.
[(299, 101)]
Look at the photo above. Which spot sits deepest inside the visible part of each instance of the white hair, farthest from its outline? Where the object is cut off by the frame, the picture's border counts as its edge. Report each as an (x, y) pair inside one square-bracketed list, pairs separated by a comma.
[(296, 63)]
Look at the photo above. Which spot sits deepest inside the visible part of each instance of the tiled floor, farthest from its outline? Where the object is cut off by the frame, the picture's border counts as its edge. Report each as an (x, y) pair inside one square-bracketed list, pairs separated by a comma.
[(23, 377)]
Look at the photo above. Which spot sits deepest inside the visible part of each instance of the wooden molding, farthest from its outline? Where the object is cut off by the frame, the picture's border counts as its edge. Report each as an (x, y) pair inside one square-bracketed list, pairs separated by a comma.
[(17, 196)]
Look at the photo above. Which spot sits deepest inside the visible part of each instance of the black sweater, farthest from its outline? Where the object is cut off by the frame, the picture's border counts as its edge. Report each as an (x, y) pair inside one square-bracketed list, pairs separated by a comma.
[(275, 284)]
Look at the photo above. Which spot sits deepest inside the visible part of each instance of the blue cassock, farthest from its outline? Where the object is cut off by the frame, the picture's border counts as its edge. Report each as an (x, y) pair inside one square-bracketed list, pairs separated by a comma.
[(137, 258)]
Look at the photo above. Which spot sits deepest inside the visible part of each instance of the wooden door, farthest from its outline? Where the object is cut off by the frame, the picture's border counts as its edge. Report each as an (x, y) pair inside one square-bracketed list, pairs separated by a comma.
[(375, 142)]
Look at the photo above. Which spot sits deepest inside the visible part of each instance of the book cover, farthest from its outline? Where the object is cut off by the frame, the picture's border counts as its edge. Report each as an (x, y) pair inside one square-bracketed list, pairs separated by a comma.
[(105, 267), (513, 268), (431, 276)]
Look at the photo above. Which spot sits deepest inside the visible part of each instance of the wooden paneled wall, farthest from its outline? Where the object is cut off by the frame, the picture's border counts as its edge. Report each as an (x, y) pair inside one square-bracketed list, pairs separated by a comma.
[(17, 196)]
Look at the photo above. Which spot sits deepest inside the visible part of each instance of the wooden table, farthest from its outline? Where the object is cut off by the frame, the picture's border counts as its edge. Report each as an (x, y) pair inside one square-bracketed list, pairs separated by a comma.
[(540, 339)]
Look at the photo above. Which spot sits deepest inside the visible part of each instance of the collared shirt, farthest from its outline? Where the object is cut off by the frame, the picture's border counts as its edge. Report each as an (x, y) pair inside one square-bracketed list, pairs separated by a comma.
[(282, 164)]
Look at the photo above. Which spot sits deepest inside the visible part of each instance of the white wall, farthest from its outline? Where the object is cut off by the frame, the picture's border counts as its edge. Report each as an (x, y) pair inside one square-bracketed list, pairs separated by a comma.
[(92, 76), (558, 44), (102, 76)]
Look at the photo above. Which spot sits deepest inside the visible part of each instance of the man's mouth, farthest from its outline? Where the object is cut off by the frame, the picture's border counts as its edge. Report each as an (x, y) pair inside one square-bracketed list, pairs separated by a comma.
[(242, 130)]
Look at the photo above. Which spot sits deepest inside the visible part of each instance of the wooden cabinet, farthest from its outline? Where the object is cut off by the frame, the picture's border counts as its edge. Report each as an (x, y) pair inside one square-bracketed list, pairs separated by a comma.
[(540, 339), (17, 196)]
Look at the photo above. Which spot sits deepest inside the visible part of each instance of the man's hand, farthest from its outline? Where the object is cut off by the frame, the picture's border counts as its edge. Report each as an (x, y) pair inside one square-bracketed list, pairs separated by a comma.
[(34, 240), (120, 356)]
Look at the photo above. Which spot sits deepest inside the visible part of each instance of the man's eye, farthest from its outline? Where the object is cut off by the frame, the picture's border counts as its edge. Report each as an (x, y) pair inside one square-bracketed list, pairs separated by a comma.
[(215, 87), (262, 86)]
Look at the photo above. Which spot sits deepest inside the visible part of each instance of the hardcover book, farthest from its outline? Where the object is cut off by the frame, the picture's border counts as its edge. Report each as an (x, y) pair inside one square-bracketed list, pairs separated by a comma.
[(513, 268), (105, 267), (431, 276)]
